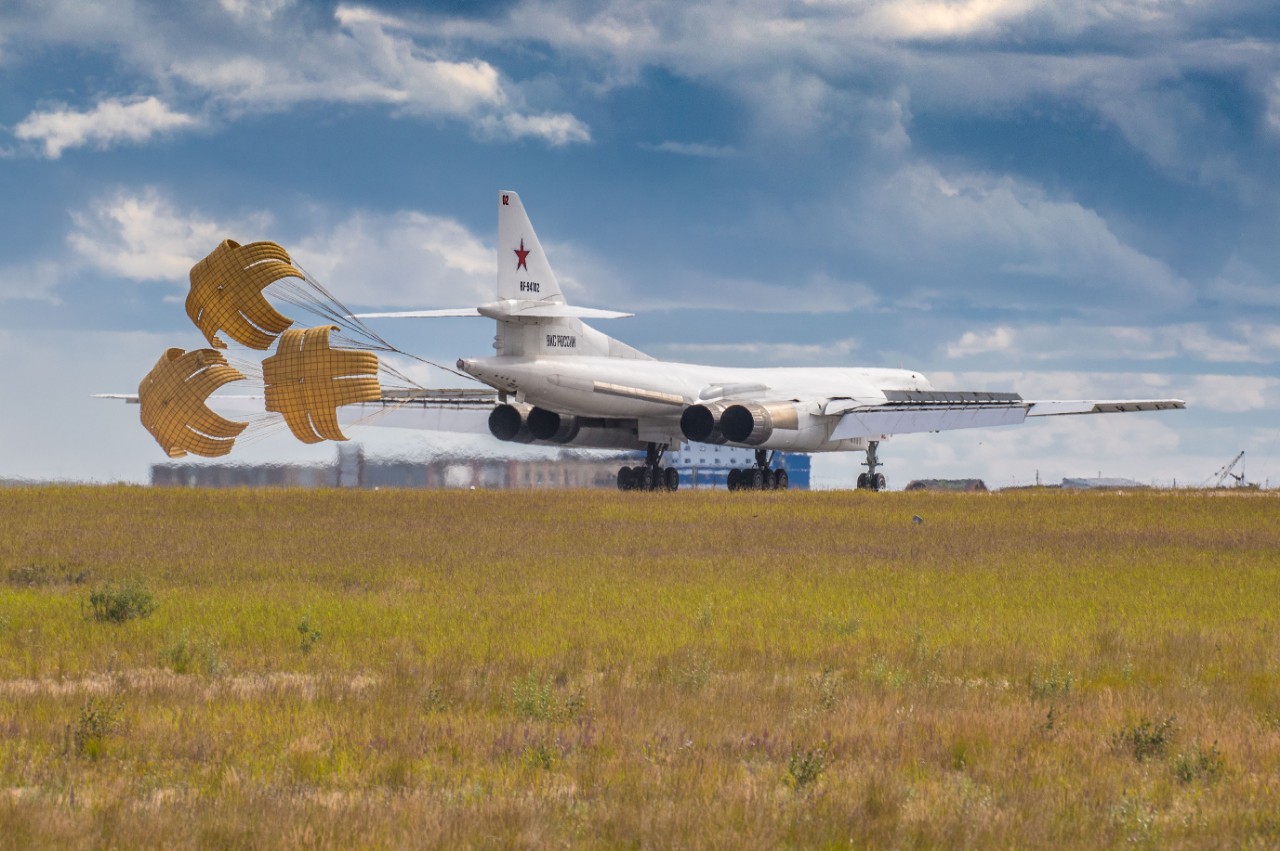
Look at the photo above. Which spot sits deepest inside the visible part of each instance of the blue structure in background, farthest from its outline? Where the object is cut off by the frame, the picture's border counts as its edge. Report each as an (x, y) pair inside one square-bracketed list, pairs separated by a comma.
[(704, 465)]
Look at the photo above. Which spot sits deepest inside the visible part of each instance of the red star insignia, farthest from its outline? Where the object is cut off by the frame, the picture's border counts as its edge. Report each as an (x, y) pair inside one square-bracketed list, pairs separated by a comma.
[(521, 254)]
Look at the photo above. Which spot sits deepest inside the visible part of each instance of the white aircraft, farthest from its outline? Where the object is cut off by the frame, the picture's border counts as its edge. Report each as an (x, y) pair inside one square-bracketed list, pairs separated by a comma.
[(560, 381)]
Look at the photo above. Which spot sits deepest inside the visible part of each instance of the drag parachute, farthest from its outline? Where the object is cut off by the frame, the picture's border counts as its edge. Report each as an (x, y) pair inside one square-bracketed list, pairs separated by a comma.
[(307, 381), (226, 293), (172, 401)]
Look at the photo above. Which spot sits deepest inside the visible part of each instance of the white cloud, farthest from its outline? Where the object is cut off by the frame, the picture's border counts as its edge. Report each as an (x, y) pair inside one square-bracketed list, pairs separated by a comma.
[(405, 259), (556, 129), (369, 60), (144, 237), (692, 149), (1273, 106), (36, 281), (764, 354), (1031, 248), (982, 342), (1239, 342), (256, 10), (1234, 393), (109, 123), (926, 19), (401, 259), (1240, 283)]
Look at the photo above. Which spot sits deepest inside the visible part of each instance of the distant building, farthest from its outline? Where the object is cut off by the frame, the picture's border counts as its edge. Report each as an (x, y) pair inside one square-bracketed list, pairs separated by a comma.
[(1102, 484), (354, 470), (959, 485), (704, 465)]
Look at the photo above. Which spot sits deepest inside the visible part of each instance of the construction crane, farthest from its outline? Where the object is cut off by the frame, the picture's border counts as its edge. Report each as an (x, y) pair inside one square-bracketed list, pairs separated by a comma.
[(1221, 476)]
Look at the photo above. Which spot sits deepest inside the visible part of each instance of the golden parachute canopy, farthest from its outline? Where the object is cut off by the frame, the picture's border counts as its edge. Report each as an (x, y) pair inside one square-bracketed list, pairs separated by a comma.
[(226, 293), (307, 381), (172, 400)]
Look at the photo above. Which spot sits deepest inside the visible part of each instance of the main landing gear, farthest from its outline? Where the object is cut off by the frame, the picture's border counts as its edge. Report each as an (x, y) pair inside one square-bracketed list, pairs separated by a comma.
[(872, 480), (760, 477), (652, 476)]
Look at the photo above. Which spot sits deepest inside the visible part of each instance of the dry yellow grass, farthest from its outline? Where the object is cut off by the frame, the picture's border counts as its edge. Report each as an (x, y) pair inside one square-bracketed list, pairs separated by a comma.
[(407, 669)]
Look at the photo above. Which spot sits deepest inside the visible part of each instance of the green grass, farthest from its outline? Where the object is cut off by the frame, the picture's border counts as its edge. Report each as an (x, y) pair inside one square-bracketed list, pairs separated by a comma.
[(391, 669)]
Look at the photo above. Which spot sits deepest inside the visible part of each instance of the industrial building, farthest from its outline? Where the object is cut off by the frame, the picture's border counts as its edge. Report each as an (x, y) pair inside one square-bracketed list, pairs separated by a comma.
[(700, 466)]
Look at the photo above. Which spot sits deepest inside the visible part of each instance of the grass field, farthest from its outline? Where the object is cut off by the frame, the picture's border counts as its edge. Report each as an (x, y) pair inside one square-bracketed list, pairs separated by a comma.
[(407, 669)]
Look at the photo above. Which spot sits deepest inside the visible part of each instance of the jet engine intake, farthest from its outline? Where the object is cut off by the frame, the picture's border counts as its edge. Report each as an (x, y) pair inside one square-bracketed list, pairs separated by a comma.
[(701, 423), (752, 423), (511, 423), (552, 427)]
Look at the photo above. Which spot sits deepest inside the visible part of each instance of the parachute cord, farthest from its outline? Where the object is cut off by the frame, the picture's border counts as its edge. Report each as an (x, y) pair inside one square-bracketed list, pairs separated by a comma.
[(335, 311)]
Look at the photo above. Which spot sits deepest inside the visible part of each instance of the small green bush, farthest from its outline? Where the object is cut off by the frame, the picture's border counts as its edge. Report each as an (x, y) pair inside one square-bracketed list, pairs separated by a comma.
[(188, 655), (806, 766), (1198, 764), (1054, 685), (98, 720), (308, 633), (117, 603), (1144, 739), (536, 700)]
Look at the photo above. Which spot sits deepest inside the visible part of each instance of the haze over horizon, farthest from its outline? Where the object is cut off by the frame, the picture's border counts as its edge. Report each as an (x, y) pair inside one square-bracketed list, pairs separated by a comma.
[(1066, 200)]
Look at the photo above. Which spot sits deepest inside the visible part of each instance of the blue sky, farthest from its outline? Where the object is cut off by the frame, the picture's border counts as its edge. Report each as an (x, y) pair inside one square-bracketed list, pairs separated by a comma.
[(1065, 199)]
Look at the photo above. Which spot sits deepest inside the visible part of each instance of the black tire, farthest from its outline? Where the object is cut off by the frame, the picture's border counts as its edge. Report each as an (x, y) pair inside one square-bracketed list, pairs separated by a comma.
[(881, 484), (863, 481), (624, 479), (734, 476), (781, 480), (755, 479), (645, 479), (673, 479), (766, 476)]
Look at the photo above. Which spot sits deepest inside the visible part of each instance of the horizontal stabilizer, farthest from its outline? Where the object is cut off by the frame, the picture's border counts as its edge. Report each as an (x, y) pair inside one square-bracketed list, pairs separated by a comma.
[(419, 314), (504, 310), (1083, 406), (566, 311)]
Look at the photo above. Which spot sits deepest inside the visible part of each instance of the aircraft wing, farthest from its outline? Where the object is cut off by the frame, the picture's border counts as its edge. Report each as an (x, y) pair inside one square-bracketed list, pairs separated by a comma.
[(1118, 406), (916, 411)]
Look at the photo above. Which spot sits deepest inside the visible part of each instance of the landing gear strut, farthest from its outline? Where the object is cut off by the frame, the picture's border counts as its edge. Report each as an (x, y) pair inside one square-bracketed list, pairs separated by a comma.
[(651, 476), (872, 480), (759, 477)]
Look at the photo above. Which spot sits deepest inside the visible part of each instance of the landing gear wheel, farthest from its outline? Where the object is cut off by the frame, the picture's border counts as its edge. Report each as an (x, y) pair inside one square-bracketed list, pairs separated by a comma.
[(624, 479), (767, 479), (863, 481), (735, 477), (673, 479), (645, 479), (780, 480), (755, 479), (880, 482)]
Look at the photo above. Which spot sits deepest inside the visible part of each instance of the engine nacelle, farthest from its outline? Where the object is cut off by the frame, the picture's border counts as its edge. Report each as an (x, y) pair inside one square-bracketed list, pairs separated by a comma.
[(511, 423), (552, 427), (752, 423), (701, 423), (527, 424)]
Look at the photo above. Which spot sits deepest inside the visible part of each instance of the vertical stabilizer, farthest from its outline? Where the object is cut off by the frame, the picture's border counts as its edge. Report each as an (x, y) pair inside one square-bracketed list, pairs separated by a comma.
[(523, 270)]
